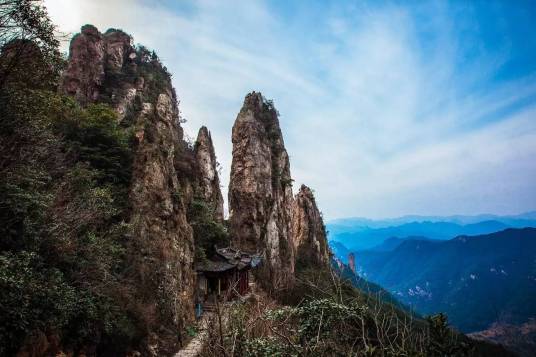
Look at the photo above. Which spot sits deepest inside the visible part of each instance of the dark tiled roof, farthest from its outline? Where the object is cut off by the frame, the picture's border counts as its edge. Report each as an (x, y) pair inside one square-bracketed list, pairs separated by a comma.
[(231, 258), (212, 266)]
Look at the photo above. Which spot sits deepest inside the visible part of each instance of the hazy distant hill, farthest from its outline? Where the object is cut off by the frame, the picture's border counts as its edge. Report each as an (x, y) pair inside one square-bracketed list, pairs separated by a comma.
[(362, 233), (366, 238), (366, 286), (339, 250), (518, 221), (393, 242), (476, 280)]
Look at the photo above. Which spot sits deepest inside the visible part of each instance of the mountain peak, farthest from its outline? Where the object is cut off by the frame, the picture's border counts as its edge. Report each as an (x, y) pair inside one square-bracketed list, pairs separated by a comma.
[(260, 192), (308, 231), (209, 181)]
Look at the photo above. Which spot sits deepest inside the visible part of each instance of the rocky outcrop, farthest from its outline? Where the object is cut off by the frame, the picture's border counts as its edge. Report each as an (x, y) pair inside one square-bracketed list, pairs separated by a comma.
[(209, 181), (84, 75), (118, 50), (162, 254), (260, 193), (339, 264), (351, 262), (106, 68), (308, 231)]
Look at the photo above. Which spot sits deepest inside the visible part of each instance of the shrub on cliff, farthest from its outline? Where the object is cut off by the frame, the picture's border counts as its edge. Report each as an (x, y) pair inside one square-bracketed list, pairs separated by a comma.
[(208, 233), (64, 179), (93, 135), (332, 318), (27, 40)]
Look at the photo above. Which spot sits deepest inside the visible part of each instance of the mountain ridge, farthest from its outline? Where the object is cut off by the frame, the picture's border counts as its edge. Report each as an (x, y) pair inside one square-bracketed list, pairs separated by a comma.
[(358, 237), (494, 270), (462, 219)]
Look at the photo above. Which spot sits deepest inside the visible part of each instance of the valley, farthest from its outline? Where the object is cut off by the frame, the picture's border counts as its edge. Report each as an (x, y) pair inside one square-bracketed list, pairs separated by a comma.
[(477, 280)]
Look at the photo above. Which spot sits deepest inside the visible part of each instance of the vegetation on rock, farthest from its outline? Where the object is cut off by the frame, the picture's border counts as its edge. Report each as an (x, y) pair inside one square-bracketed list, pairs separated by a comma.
[(65, 208), (329, 317), (208, 232), (62, 220)]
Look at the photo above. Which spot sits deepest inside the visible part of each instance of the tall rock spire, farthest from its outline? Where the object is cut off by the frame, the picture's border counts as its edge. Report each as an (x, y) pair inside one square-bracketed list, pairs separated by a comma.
[(106, 68), (308, 231), (260, 192), (351, 262), (209, 181)]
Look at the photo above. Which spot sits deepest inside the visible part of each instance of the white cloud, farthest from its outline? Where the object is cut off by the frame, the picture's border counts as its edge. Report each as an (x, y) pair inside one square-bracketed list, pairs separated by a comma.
[(378, 119)]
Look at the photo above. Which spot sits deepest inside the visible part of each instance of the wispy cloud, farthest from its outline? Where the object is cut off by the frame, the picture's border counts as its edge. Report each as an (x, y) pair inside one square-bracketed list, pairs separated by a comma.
[(386, 109)]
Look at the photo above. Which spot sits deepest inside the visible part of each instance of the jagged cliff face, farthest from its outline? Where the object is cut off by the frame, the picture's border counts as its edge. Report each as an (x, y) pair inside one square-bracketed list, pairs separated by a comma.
[(106, 68), (209, 181), (85, 74), (162, 236), (308, 231), (260, 193)]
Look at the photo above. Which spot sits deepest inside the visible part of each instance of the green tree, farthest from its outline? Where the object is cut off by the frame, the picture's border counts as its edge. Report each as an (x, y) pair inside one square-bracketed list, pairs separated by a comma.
[(93, 135), (27, 33), (442, 340), (65, 172), (208, 233)]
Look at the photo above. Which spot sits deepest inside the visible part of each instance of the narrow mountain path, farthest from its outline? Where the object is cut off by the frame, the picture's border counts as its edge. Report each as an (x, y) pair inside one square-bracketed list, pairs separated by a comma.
[(196, 346)]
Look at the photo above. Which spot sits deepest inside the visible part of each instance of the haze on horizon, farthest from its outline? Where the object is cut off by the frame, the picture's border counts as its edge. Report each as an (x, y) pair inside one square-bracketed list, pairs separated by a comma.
[(387, 109)]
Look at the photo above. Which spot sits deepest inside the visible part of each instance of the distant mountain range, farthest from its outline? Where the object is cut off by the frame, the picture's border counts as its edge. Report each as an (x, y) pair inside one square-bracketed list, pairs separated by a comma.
[(365, 234), (341, 252), (476, 280), (393, 242), (518, 220), (372, 289)]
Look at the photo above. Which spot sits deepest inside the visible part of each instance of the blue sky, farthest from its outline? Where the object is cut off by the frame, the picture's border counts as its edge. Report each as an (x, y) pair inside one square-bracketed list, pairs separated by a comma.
[(387, 107)]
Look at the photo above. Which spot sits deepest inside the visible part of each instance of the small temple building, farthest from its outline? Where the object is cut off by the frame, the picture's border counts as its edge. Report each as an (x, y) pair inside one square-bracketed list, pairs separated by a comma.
[(224, 276)]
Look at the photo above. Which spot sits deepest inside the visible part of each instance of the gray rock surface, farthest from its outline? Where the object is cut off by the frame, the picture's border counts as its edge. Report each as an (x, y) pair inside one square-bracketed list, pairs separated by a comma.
[(260, 192), (308, 231), (209, 181)]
